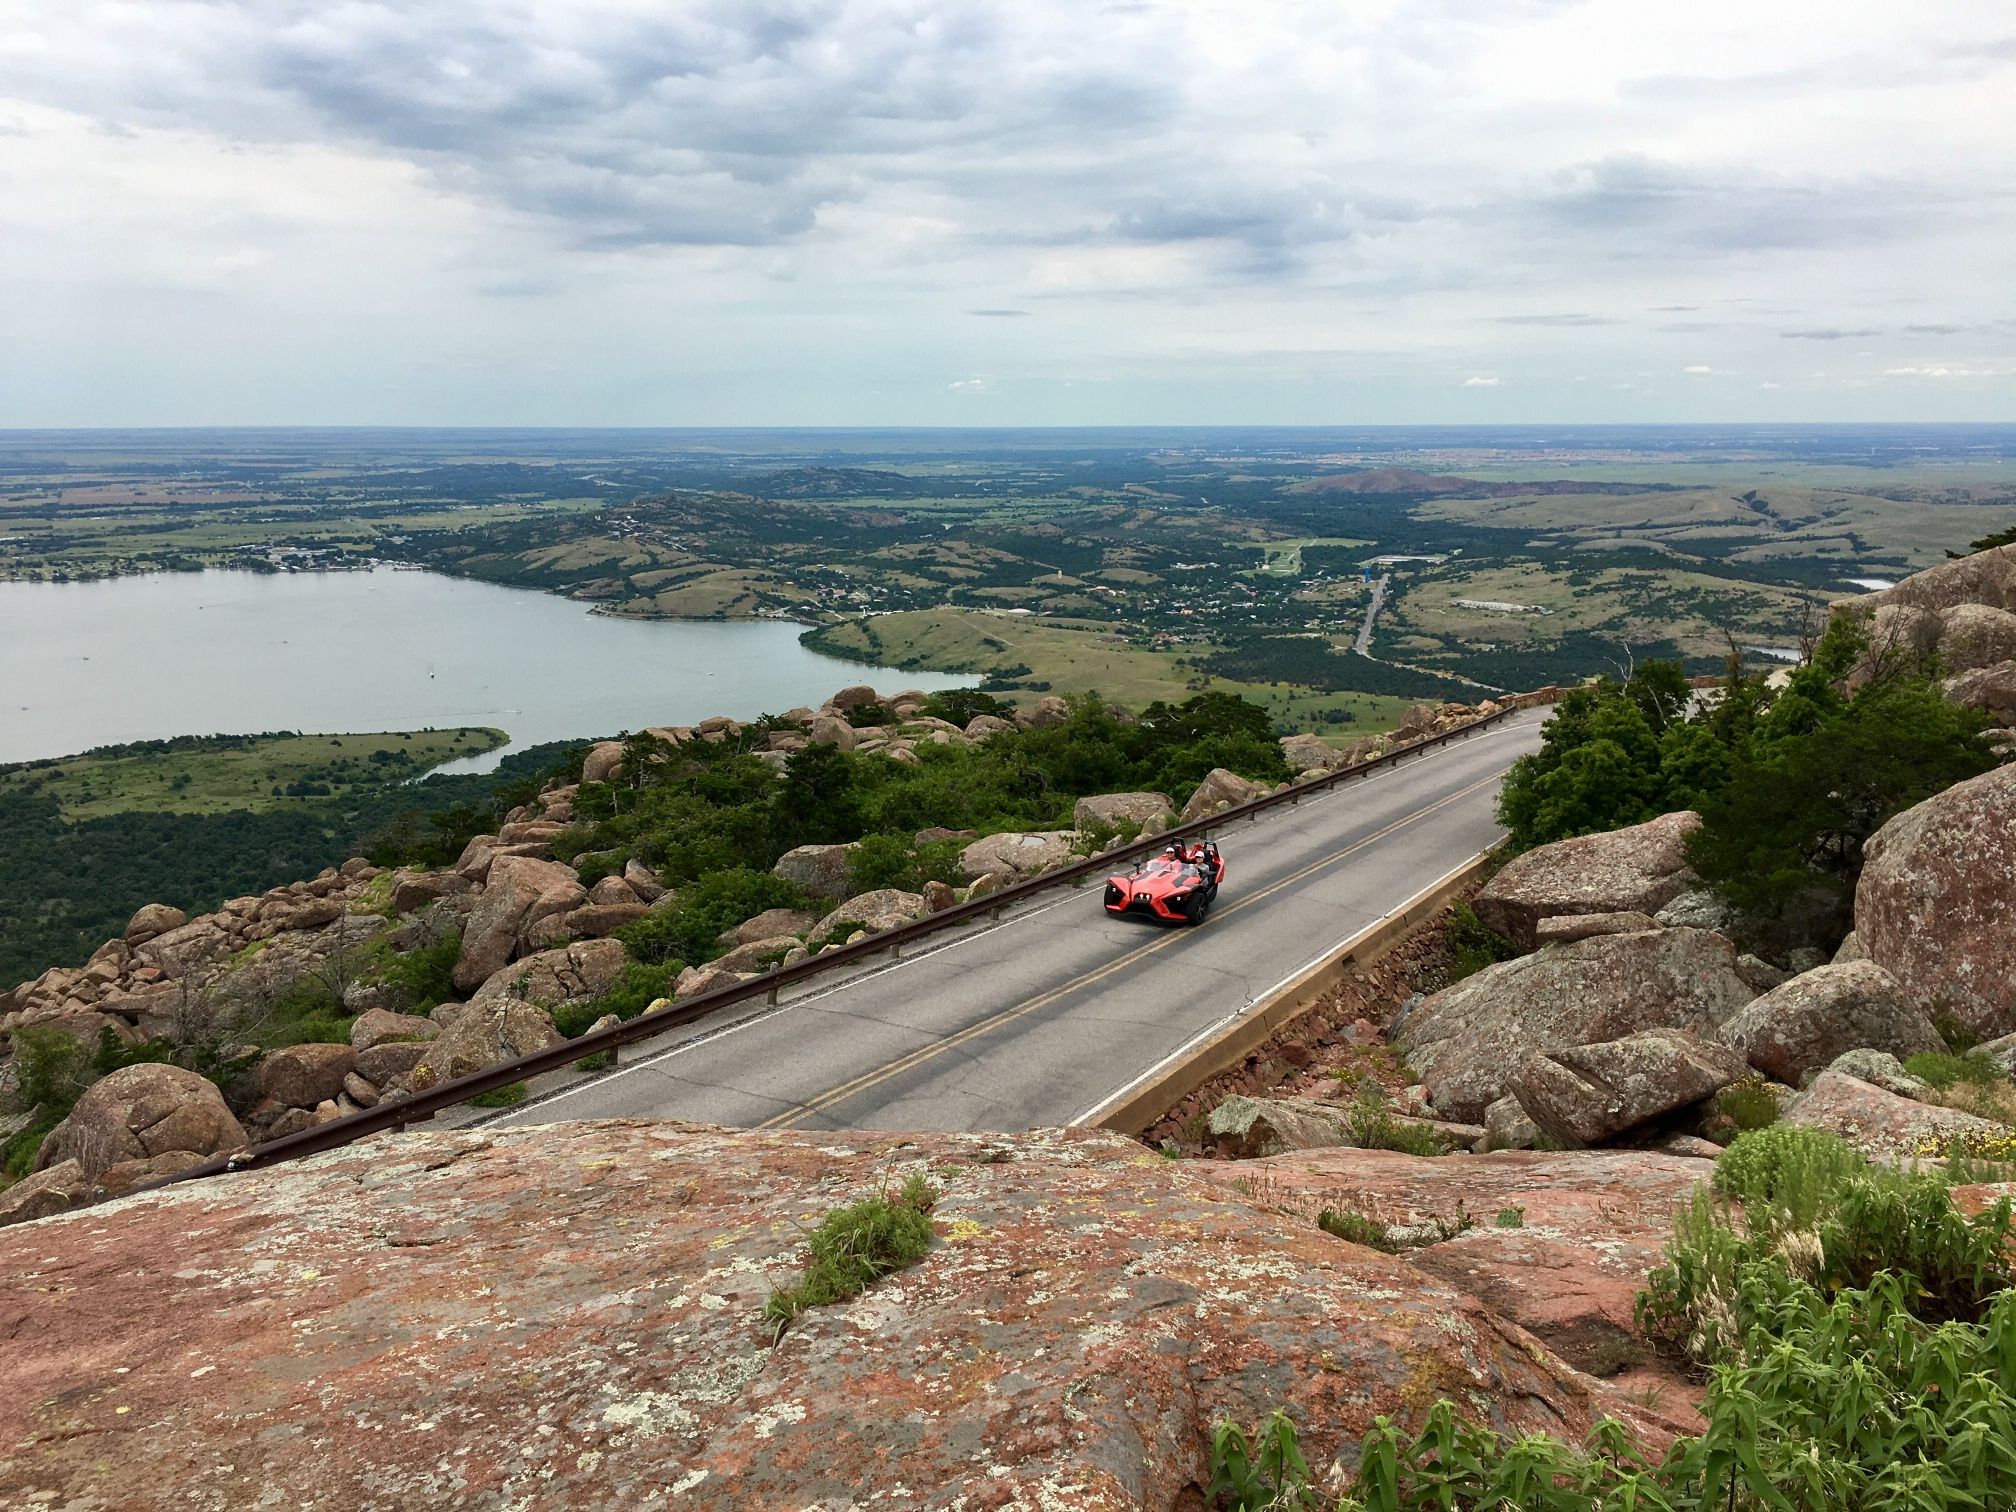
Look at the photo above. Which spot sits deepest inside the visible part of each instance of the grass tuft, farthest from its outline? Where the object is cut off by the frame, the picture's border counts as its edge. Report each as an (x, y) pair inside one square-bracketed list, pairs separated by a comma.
[(856, 1246)]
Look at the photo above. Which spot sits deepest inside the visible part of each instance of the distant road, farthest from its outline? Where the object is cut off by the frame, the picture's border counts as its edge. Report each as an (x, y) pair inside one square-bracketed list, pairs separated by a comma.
[(1364, 643), (1039, 1019)]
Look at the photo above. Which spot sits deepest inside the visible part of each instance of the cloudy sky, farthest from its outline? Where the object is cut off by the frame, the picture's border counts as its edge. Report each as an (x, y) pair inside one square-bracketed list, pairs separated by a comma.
[(666, 212)]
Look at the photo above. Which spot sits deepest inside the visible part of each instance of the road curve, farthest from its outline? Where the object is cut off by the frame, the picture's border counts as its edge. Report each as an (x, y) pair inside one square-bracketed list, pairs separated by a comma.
[(1041, 1018)]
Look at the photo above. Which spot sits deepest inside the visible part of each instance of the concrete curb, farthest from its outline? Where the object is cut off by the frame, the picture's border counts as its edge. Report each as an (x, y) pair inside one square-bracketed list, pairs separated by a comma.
[(1225, 1044)]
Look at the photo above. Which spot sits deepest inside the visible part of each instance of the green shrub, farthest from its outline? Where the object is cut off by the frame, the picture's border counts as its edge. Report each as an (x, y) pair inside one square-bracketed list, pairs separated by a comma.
[(1749, 1104), (1473, 944), (1947, 1071), (1342, 1223), (961, 706), (51, 1070), (1786, 1169), (639, 987), (1959, 1038), (507, 1096), (856, 1246), (878, 861), (1856, 1404), (1273, 1478), (717, 902), (1812, 1211), (1372, 1127), (424, 976)]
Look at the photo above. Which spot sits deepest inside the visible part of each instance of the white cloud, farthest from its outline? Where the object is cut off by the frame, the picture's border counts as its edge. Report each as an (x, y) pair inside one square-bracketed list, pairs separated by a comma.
[(968, 386), (789, 212), (1480, 382), (1945, 372), (1700, 370)]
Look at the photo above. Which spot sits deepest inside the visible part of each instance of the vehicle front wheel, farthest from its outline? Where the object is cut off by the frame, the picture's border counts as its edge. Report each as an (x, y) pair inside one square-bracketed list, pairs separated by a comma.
[(1195, 907)]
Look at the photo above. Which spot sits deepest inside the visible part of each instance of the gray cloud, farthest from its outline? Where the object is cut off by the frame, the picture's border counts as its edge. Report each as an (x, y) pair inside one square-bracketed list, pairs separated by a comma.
[(817, 188)]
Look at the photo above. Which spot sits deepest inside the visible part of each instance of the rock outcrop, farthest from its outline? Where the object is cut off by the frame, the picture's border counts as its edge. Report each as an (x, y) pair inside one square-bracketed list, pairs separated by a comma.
[(1082, 1321), (884, 908), (1465, 1042), (554, 978), (305, 1076), (138, 1113), (603, 761), (1019, 855), (1641, 869), (1990, 689), (1248, 1128), (1937, 899), (1219, 789), (483, 1035), (152, 920), (1111, 810), (1566, 929), (771, 923), (520, 891), (1589, 1094), (1805, 1024), (1308, 753), (45, 1193), (1974, 636), (820, 870), (1879, 1123), (1984, 577), (1559, 1243)]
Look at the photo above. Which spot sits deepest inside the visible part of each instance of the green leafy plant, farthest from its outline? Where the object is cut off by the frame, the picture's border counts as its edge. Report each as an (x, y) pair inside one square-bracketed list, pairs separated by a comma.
[(719, 901), (1959, 1038), (424, 975), (1845, 1402), (633, 992), (1342, 1223), (1473, 944), (1510, 1218), (1373, 1127), (507, 1096), (856, 1246), (1947, 1071), (1748, 1103), (1262, 1473), (1796, 1207)]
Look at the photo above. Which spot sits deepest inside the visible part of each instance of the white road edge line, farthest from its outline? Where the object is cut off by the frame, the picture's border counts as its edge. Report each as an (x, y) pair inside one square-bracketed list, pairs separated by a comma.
[(1208, 1030), (764, 1015)]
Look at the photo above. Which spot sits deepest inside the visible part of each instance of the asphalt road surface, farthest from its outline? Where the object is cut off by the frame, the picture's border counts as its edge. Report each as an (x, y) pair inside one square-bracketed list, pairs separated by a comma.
[(1363, 645), (1057, 1009)]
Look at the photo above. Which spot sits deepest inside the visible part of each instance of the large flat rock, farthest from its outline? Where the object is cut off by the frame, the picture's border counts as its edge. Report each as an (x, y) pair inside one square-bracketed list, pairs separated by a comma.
[(1591, 1226), (569, 1317)]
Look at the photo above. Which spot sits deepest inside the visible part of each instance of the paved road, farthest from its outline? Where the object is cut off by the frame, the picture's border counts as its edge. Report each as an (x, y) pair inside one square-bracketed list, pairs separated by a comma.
[(1363, 645), (1043, 1017)]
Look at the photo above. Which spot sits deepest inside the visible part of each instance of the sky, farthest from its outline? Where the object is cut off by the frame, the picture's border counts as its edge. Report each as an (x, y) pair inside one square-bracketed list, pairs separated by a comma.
[(1044, 212)]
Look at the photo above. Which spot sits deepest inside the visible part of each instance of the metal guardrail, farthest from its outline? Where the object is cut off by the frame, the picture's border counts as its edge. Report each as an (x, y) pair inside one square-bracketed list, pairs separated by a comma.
[(422, 1106)]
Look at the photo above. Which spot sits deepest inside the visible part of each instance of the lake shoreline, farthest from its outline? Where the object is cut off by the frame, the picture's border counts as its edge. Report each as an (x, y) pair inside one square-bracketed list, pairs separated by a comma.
[(397, 646)]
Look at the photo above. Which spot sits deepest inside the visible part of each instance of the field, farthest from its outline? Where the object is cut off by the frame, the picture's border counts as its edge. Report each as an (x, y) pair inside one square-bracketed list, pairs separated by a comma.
[(259, 773), (1148, 561), (1090, 657)]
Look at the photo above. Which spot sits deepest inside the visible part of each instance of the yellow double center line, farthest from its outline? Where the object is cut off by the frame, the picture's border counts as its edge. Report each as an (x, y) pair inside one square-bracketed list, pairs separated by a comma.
[(987, 1025)]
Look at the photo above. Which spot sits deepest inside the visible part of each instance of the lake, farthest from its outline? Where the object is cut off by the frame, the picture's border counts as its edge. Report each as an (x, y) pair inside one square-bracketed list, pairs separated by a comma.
[(142, 658)]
